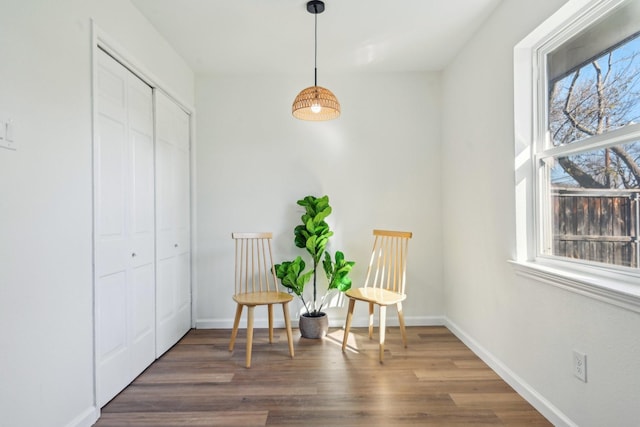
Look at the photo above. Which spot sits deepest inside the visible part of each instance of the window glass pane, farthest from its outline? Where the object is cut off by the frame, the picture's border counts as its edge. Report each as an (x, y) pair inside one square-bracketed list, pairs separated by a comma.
[(609, 29), (594, 205), (616, 167), (600, 95)]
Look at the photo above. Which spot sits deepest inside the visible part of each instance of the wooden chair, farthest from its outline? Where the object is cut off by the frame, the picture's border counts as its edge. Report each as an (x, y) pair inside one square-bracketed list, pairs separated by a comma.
[(384, 284), (256, 284)]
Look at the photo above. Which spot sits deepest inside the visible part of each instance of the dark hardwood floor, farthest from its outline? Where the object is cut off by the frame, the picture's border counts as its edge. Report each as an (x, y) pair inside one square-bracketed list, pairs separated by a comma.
[(437, 380)]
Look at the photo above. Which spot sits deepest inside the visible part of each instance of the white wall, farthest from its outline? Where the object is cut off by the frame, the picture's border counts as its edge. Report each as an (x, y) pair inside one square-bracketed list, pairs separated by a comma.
[(379, 163), (46, 302), (525, 327), (384, 164)]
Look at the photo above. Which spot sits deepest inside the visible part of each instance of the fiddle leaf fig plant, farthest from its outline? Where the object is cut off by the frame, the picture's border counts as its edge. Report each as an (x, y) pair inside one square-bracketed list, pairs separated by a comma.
[(313, 235)]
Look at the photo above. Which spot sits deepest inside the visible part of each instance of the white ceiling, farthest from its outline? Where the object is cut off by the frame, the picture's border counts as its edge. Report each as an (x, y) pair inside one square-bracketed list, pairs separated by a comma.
[(276, 36)]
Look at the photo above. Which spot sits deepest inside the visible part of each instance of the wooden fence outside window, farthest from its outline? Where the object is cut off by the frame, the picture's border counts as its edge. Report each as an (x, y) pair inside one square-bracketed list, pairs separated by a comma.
[(597, 225)]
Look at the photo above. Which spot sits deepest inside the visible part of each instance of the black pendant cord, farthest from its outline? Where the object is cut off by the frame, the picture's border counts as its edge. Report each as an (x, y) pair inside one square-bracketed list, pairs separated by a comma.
[(315, 48)]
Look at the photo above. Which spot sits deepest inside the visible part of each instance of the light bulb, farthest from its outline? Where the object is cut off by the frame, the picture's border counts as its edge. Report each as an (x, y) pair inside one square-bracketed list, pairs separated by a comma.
[(316, 108)]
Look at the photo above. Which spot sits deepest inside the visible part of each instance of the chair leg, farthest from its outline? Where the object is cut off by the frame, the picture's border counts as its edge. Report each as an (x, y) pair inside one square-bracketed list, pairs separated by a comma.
[(249, 333), (403, 332), (347, 324), (270, 310), (236, 322), (370, 320), (383, 316), (287, 324)]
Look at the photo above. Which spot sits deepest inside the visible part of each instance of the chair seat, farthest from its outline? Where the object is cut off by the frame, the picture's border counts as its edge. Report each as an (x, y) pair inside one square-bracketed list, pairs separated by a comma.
[(376, 296), (262, 298)]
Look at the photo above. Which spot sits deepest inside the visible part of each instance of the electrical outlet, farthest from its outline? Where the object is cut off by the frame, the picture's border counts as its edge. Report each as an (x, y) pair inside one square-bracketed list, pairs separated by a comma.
[(3, 128), (580, 365), (7, 139)]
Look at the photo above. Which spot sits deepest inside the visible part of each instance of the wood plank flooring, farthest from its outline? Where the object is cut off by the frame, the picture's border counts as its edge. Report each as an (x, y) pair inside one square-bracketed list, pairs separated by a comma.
[(436, 381)]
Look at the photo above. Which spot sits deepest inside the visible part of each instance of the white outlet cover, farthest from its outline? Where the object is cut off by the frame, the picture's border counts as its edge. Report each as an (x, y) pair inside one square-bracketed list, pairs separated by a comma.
[(7, 133), (580, 365)]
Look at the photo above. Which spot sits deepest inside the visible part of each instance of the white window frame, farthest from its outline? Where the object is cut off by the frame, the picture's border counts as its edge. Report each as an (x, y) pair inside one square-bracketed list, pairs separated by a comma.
[(613, 285)]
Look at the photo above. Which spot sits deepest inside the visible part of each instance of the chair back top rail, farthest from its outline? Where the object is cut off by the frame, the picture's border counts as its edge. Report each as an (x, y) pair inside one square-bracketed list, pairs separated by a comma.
[(391, 233), (254, 263), (388, 264)]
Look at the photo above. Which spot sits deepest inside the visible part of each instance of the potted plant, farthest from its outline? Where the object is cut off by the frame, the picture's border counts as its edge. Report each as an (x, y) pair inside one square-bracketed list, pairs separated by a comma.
[(313, 235)]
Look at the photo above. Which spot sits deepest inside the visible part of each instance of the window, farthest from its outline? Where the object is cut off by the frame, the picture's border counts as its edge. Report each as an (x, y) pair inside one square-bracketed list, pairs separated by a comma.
[(589, 175), (577, 119)]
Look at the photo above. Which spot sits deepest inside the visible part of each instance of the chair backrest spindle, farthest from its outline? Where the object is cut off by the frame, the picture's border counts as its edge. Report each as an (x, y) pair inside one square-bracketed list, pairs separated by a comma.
[(388, 264), (254, 261)]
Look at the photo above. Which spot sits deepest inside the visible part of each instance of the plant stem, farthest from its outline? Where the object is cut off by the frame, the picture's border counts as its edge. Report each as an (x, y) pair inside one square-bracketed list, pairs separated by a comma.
[(306, 307), (323, 300), (315, 270)]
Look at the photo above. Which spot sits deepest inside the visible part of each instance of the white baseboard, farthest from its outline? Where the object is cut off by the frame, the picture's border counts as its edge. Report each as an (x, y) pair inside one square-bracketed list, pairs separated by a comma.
[(553, 414), (228, 323), (87, 418), (224, 323), (392, 320)]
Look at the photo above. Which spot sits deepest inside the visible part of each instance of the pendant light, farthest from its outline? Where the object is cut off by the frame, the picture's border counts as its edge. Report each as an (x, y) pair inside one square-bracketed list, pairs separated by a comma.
[(315, 103)]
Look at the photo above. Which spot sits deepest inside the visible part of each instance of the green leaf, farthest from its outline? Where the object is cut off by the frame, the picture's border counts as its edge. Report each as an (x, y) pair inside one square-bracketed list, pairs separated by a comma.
[(306, 201), (311, 226), (304, 279), (322, 202), (311, 244), (289, 273), (338, 271), (328, 266), (344, 285), (322, 214), (301, 236)]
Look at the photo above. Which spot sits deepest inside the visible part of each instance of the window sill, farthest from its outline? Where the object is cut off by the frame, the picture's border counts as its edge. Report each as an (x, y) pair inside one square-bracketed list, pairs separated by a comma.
[(619, 289)]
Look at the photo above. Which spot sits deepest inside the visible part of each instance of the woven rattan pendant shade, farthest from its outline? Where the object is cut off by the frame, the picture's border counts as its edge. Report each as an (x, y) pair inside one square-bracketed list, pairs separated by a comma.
[(316, 103)]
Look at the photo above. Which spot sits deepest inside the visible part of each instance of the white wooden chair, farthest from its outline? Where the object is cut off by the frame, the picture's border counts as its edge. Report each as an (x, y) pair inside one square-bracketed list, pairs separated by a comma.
[(256, 284), (384, 284)]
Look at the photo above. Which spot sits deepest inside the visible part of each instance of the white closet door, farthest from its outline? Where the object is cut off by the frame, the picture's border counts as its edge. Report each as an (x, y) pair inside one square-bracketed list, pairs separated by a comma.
[(173, 255), (124, 228)]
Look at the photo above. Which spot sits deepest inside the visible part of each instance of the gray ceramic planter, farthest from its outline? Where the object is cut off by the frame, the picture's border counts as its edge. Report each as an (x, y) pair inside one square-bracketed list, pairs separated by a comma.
[(314, 326)]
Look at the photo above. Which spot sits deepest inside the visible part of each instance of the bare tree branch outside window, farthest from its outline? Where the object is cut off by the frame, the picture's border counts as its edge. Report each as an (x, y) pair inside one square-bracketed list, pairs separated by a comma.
[(595, 98)]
